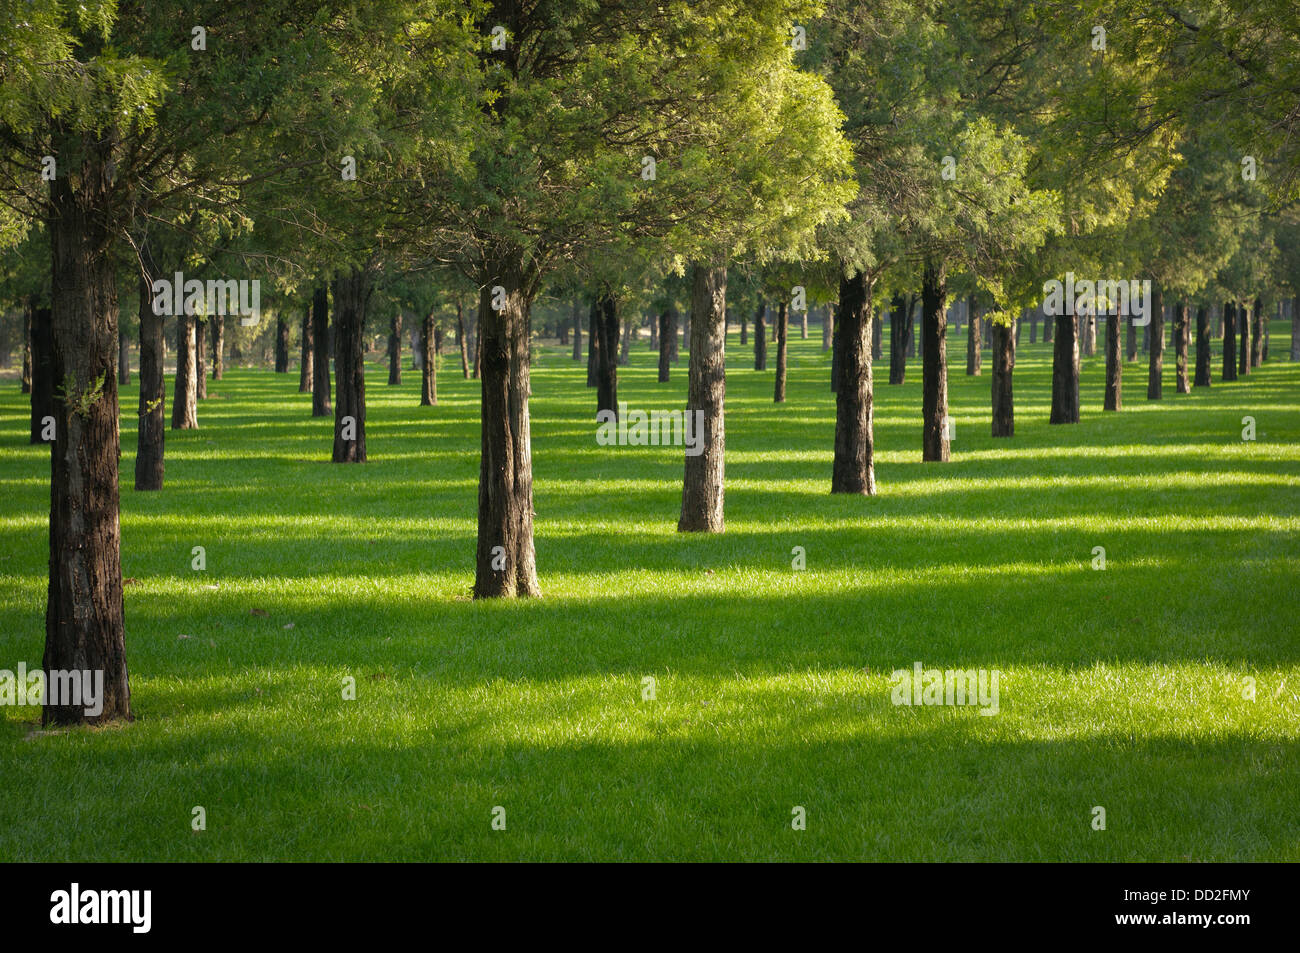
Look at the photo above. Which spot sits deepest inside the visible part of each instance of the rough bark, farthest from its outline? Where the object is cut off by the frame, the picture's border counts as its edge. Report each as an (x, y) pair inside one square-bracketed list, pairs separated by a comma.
[(151, 435), (606, 340), (1202, 347), (854, 468), (934, 363), (395, 349), (1229, 341), (877, 334), (1114, 363), (898, 321), (506, 564), (84, 627), (1004, 362), (351, 296), (1065, 370), (429, 358), (702, 486), (320, 323), (760, 337), (305, 369), (1156, 345), (782, 330), (185, 398)]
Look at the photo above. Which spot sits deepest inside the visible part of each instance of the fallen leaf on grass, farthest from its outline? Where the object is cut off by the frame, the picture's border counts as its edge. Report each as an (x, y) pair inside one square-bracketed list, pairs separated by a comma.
[(261, 613)]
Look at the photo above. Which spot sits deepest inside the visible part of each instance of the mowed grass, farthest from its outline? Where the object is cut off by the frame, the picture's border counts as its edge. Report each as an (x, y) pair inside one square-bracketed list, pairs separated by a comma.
[(1122, 688)]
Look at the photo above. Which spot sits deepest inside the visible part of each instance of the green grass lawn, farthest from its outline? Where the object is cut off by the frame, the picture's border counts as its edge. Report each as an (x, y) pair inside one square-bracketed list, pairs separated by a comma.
[(1120, 688)]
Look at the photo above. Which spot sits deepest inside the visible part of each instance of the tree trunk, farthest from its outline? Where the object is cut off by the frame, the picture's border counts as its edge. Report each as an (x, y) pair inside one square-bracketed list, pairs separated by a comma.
[(123, 359), (478, 350), (627, 342), (1295, 328), (1244, 320), (351, 296), (1229, 341), (1202, 347), (934, 363), (803, 326), (1180, 335), (281, 344), (702, 487), (593, 342), (506, 564), (200, 359), (28, 307), (877, 334), (1048, 324), (577, 329), (1155, 336), (320, 324), (305, 369), (667, 337), (1033, 327), (854, 469), (744, 329), (185, 400), (151, 435), (973, 340), (654, 332), (828, 327), (1131, 344), (1065, 370), (760, 337), (1114, 363), (218, 347), (897, 340), (1090, 336), (782, 331), (605, 339), (429, 358), (394, 349), (42, 399), (1004, 362), (1256, 336), (84, 627)]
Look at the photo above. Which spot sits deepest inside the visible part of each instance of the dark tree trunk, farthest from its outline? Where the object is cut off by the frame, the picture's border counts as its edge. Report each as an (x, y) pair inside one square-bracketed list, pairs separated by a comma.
[(593, 343), (478, 342), (84, 627), (28, 307), (1065, 370), (1004, 362), (897, 339), (395, 349), (1131, 344), (200, 359), (460, 338), (606, 340), (877, 335), (973, 340), (667, 336), (577, 329), (828, 327), (1033, 327), (782, 331), (1049, 324), (351, 296), (803, 326), (151, 435), (218, 347), (654, 332), (760, 337), (1114, 363), (506, 563), (1256, 336), (703, 485), (320, 324), (1202, 347), (744, 329), (909, 323), (305, 369), (1180, 335), (1295, 328), (123, 358), (281, 344), (429, 358), (934, 364), (1090, 335), (1244, 321), (1229, 341), (185, 399), (1156, 345), (42, 401), (854, 468), (627, 342)]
